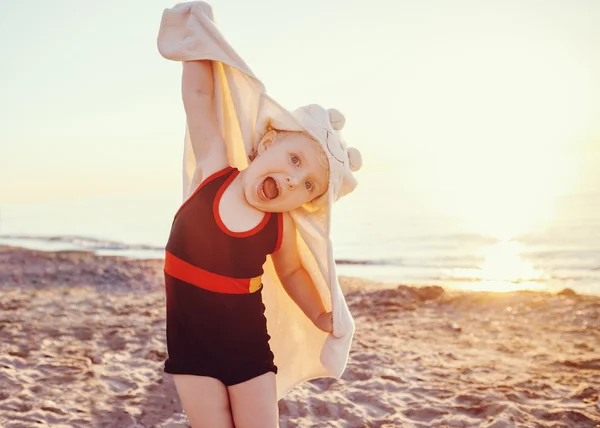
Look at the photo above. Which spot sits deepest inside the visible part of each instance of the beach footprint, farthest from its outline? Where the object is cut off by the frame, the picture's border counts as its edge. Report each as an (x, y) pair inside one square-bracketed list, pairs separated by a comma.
[(373, 403), (353, 373), (119, 385)]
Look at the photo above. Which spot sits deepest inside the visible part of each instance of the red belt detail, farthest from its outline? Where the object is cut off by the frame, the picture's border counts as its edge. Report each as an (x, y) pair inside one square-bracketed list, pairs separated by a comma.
[(184, 271)]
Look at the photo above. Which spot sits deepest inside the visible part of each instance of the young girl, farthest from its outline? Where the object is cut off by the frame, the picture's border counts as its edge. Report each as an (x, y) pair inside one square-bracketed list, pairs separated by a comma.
[(221, 236)]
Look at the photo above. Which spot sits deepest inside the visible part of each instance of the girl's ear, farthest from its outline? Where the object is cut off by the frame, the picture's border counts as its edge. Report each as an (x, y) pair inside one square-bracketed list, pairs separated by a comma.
[(266, 141)]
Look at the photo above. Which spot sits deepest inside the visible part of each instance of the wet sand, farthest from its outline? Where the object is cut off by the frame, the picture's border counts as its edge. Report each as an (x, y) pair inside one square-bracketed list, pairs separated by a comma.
[(82, 344)]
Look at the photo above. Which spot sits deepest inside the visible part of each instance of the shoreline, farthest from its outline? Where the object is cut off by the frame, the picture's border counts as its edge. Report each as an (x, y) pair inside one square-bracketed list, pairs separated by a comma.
[(85, 346), (83, 256)]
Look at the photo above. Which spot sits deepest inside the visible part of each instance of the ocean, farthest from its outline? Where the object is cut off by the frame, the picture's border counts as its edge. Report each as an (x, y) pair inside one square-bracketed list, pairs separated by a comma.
[(394, 237)]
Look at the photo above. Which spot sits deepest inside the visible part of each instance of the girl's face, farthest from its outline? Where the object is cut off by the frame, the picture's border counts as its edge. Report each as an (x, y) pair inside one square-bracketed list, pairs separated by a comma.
[(288, 172)]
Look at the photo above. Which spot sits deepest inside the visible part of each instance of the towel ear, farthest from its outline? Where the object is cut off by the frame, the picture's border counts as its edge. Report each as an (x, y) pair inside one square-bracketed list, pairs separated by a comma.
[(336, 118), (355, 159)]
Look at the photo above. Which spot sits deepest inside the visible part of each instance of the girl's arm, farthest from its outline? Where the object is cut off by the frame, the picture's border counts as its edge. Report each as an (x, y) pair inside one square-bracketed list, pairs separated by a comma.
[(197, 94), (296, 280)]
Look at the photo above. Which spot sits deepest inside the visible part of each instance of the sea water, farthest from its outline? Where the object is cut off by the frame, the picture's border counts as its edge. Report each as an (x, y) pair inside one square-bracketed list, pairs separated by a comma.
[(381, 235)]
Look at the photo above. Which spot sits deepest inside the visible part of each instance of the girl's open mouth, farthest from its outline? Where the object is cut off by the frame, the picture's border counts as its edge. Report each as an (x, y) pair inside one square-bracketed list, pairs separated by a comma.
[(269, 188)]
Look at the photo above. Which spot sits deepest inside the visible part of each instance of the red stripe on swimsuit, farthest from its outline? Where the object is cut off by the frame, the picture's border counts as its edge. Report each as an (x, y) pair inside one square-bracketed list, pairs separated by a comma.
[(202, 251)]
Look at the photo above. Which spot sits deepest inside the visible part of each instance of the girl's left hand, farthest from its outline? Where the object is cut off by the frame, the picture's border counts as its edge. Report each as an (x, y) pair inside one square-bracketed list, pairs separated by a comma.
[(325, 322)]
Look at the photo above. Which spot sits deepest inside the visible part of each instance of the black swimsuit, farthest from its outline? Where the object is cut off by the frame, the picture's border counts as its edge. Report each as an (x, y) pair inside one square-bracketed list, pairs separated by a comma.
[(215, 314)]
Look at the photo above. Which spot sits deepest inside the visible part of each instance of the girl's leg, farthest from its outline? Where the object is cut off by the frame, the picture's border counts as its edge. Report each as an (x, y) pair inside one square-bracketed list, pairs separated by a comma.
[(254, 402), (205, 401)]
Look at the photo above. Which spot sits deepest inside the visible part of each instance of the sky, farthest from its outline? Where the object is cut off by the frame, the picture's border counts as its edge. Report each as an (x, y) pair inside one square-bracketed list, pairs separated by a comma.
[(476, 102)]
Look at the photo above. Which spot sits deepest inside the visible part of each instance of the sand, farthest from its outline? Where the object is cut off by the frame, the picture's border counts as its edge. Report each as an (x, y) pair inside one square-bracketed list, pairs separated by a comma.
[(83, 343)]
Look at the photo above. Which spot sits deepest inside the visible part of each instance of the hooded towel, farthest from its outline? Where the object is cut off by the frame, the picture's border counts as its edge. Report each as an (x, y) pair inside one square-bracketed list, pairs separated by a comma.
[(244, 112)]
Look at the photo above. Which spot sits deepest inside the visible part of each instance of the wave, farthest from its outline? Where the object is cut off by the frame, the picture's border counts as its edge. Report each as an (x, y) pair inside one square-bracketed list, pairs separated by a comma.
[(83, 242), (98, 246)]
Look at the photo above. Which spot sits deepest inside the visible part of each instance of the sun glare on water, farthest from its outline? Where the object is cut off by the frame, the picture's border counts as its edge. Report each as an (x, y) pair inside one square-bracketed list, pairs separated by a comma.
[(502, 270)]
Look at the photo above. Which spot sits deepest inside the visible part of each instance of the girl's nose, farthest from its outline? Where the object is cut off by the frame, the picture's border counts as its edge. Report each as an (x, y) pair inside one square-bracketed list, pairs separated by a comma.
[(292, 182)]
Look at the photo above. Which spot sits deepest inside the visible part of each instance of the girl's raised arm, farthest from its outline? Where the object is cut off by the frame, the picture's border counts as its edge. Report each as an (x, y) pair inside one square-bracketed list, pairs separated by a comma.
[(197, 93)]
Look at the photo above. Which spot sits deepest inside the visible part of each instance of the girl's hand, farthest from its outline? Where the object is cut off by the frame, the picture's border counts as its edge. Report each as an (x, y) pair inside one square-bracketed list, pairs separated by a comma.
[(325, 322)]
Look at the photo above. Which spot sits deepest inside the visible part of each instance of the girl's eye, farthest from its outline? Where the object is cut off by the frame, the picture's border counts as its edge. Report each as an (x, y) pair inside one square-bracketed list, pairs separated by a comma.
[(308, 185), (295, 160)]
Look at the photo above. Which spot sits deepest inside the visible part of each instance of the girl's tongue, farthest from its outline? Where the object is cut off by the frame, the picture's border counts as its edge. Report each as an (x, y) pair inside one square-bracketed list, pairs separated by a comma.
[(270, 188)]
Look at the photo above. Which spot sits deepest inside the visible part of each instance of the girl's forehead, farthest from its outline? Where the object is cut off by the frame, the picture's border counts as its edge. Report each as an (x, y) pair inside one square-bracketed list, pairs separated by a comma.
[(298, 138), (303, 142)]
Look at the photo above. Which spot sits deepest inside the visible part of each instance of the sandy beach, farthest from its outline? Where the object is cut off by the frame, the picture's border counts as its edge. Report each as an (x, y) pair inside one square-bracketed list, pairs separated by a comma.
[(83, 343)]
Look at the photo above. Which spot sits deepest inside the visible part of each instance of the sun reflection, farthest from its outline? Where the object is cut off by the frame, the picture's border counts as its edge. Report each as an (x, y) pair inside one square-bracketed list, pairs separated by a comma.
[(502, 270)]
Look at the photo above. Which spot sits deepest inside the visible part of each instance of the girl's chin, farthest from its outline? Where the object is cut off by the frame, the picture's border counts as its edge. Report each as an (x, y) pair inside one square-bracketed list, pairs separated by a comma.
[(261, 205)]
